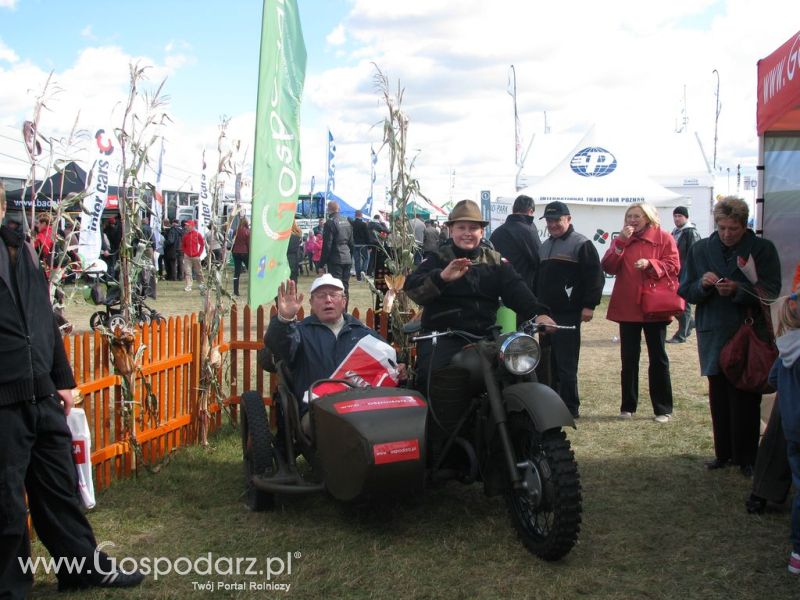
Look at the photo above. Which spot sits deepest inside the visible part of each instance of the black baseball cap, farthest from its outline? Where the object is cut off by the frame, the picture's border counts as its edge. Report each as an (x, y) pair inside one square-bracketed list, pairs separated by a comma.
[(554, 210)]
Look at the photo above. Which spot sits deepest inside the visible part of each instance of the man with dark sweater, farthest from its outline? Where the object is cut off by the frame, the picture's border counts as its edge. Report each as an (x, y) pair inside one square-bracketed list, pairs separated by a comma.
[(685, 234), (570, 281), (36, 383), (518, 241)]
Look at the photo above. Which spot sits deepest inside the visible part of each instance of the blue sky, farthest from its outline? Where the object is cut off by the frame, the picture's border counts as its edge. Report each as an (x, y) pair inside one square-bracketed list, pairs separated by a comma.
[(624, 65), (222, 43)]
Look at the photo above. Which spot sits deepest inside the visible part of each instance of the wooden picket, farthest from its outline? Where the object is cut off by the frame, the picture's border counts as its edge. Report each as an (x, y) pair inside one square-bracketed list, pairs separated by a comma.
[(171, 363)]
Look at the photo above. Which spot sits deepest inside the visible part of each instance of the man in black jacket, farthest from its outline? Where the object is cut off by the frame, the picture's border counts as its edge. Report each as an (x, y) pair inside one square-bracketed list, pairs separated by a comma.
[(518, 241), (685, 235), (570, 281), (337, 245), (36, 385), (459, 288), (360, 245)]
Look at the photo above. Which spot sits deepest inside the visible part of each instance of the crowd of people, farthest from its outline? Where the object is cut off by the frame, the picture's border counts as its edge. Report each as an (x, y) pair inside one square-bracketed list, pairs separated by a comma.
[(460, 280)]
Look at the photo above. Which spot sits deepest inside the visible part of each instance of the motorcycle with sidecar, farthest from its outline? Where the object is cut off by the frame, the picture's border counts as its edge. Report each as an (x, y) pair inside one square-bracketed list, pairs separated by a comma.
[(485, 419)]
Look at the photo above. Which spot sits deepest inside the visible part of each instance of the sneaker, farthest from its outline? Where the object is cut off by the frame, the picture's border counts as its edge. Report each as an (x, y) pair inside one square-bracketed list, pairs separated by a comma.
[(202, 287), (794, 563), (662, 418), (676, 340), (624, 414), (188, 288), (117, 579)]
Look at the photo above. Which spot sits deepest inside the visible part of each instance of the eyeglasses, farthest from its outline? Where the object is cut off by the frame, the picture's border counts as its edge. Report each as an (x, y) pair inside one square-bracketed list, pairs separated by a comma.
[(331, 295)]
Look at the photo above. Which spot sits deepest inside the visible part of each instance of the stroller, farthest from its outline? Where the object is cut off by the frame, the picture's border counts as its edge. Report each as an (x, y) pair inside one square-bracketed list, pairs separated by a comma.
[(105, 291)]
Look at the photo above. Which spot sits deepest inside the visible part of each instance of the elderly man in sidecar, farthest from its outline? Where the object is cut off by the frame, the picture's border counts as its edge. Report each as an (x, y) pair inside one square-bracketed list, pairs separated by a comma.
[(315, 347)]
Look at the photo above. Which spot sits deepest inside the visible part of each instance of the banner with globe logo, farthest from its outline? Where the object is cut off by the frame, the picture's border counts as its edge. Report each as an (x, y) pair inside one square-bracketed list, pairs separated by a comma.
[(593, 162)]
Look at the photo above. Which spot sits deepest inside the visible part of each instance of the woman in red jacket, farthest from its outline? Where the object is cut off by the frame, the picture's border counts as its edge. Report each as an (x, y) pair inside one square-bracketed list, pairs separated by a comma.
[(641, 251)]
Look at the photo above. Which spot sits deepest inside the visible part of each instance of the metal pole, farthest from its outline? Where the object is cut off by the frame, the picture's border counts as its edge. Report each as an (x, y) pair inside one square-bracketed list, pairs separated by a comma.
[(717, 110)]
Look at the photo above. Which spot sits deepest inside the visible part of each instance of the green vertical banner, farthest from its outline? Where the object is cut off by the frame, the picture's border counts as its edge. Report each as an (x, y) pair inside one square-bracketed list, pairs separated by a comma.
[(276, 164)]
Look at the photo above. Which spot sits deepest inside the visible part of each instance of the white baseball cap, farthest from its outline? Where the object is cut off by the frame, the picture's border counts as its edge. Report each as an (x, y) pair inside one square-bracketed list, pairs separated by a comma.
[(326, 279)]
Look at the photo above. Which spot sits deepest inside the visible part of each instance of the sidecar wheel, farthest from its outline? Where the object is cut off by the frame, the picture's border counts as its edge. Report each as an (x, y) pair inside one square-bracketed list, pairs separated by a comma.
[(548, 527), (257, 450)]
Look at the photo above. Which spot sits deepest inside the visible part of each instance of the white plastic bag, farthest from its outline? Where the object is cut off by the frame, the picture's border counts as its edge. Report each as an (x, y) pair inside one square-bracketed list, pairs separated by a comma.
[(371, 363), (82, 454)]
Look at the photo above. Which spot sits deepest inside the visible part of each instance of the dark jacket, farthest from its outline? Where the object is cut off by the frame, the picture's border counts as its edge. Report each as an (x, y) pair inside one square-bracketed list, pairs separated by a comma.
[(172, 240), (518, 241), (718, 317), (785, 377), (687, 238), (337, 241), (360, 232), (376, 228), (294, 250), (469, 303), (570, 277), (34, 363), (310, 349)]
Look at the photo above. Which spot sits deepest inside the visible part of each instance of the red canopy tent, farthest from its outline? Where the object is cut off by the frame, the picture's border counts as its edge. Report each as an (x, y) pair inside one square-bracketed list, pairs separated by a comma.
[(778, 124)]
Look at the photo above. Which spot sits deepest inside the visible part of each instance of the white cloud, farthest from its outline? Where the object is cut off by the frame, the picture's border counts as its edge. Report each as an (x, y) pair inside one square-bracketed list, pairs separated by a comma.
[(337, 37), (7, 54), (87, 33), (8, 4), (623, 65)]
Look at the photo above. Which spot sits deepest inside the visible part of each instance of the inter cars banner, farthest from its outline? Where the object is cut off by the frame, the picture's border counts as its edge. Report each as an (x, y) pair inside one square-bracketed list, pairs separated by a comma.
[(276, 167), (204, 214), (157, 206), (97, 182)]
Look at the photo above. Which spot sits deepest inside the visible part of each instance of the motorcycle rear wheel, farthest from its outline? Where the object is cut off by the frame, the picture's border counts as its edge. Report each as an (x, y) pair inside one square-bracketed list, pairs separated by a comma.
[(548, 528), (258, 447)]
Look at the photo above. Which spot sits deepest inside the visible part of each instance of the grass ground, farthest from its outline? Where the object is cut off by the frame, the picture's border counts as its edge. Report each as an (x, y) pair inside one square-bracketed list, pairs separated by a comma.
[(655, 523)]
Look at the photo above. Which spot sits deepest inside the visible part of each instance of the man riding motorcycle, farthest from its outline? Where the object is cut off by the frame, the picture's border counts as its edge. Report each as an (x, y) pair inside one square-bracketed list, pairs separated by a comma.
[(459, 288)]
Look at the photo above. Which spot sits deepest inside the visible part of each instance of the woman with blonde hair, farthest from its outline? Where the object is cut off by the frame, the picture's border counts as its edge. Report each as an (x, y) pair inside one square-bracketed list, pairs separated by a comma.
[(640, 253)]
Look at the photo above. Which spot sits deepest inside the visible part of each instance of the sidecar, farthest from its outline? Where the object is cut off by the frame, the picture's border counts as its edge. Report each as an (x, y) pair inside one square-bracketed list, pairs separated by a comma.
[(356, 443)]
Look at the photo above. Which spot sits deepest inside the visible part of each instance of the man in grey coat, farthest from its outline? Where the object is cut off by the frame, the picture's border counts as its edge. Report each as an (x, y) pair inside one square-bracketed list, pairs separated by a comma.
[(685, 234)]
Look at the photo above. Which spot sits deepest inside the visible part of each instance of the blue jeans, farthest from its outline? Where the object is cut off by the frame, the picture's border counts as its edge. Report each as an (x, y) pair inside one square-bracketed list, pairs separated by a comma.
[(361, 259), (793, 453)]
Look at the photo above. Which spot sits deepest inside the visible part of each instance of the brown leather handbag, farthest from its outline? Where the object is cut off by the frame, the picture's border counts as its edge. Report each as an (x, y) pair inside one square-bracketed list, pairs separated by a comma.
[(746, 359)]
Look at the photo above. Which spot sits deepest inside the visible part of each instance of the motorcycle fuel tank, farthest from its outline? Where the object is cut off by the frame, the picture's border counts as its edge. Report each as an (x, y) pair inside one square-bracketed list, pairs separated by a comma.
[(371, 441)]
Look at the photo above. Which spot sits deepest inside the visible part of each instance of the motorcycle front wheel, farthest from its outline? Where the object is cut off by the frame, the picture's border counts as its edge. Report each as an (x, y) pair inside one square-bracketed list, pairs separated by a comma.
[(546, 516), (98, 320)]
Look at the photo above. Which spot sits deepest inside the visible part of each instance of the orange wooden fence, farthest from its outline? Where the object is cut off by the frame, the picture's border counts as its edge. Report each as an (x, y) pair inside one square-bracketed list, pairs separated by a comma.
[(171, 363)]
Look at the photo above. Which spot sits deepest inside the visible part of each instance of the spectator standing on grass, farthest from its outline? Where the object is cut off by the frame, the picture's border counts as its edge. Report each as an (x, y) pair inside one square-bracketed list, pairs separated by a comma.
[(722, 294), (192, 245), (337, 245), (294, 252), (360, 245), (685, 234), (430, 241), (37, 472), (785, 377), (518, 241), (570, 282), (378, 232), (172, 242), (241, 252), (113, 231), (641, 252)]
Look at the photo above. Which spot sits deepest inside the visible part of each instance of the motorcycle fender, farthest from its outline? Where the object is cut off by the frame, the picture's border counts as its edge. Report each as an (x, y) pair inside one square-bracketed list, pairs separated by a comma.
[(545, 407)]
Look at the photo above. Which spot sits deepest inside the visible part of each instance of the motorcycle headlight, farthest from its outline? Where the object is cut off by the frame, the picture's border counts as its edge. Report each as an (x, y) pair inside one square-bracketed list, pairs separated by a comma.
[(519, 353)]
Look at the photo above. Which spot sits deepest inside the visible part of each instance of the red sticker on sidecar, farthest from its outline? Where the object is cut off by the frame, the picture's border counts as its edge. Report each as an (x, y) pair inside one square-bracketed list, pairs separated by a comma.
[(391, 452)]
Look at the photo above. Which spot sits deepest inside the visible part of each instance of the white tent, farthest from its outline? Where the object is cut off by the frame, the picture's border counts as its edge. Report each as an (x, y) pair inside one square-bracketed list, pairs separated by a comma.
[(597, 179)]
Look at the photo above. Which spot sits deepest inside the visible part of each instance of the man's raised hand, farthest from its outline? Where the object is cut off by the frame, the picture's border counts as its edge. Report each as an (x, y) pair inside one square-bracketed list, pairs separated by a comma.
[(289, 301)]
